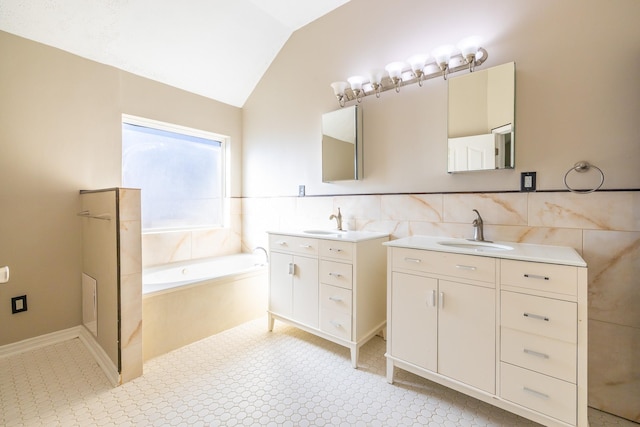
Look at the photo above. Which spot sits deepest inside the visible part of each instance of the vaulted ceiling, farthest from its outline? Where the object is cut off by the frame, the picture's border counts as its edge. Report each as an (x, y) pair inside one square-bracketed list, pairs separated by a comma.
[(216, 48)]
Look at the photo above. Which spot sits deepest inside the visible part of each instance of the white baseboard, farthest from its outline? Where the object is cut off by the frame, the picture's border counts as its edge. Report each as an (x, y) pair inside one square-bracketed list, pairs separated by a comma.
[(103, 360), (80, 332)]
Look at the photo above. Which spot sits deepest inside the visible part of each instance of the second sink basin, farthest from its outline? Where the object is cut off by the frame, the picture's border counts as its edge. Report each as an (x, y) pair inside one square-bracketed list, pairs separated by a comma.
[(321, 232), (475, 246)]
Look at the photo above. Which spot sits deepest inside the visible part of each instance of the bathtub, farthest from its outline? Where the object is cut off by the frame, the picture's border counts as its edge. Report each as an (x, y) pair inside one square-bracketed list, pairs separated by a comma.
[(185, 302), (177, 274)]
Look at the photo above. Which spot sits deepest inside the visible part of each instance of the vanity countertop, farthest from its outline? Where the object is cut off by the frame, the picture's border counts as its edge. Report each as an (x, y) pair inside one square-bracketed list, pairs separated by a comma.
[(346, 236), (520, 251)]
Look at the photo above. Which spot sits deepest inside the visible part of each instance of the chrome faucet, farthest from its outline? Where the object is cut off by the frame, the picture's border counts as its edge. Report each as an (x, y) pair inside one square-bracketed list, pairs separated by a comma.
[(338, 219), (478, 228)]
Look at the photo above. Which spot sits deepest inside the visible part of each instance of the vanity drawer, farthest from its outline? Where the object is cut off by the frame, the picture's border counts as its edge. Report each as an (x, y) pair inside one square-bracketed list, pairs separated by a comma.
[(293, 244), (335, 323), (336, 273), (444, 263), (538, 315), (562, 279), (336, 249), (550, 396), (335, 298), (537, 353)]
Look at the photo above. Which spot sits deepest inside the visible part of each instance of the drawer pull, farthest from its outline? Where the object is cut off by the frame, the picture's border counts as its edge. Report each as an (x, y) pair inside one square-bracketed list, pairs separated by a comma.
[(536, 353), (336, 324), (335, 299), (281, 243), (292, 269), (441, 299), (335, 250), (466, 267), (416, 260), (305, 246), (535, 393), (536, 276), (337, 275), (536, 316)]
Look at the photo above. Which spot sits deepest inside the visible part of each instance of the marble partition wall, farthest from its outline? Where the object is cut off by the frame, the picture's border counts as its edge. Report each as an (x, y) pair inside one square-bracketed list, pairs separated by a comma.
[(130, 226), (604, 227)]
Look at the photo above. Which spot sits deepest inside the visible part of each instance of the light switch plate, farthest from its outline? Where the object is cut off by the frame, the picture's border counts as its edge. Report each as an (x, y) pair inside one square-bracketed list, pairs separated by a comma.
[(528, 181)]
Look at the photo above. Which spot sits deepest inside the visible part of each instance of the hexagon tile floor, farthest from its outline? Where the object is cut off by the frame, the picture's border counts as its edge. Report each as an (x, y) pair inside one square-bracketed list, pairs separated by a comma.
[(243, 376)]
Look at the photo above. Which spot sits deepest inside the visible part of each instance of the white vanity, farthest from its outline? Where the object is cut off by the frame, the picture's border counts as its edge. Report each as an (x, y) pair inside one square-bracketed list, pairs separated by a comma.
[(331, 284), (504, 323)]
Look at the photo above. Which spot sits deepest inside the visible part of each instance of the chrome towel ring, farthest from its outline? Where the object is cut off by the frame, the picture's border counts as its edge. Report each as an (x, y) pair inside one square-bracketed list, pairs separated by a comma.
[(581, 167)]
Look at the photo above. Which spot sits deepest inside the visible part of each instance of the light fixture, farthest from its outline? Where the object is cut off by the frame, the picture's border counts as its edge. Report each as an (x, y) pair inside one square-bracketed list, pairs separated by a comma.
[(444, 60), (442, 56), (375, 79), (395, 73), (356, 86), (339, 89), (417, 63), (469, 49)]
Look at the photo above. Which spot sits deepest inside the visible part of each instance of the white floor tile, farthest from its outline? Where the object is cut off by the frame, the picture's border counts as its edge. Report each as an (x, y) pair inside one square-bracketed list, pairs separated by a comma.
[(244, 376)]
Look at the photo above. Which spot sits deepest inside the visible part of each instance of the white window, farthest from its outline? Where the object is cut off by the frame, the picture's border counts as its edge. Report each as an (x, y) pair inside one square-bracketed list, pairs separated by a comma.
[(179, 170)]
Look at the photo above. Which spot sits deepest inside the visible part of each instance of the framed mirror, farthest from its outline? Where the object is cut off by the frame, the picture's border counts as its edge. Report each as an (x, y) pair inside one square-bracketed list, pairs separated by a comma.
[(481, 120), (342, 144)]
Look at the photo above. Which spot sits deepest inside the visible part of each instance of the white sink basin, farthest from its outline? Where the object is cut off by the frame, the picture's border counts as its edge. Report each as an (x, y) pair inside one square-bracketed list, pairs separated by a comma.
[(475, 246), (321, 232)]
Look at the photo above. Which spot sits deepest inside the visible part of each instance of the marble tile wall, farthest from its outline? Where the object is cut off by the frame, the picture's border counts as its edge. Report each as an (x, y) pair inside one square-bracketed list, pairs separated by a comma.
[(164, 247), (604, 227)]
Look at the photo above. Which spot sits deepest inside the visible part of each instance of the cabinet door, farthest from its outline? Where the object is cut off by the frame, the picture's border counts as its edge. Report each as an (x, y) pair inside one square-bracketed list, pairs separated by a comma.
[(281, 284), (466, 338), (305, 291), (414, 319)]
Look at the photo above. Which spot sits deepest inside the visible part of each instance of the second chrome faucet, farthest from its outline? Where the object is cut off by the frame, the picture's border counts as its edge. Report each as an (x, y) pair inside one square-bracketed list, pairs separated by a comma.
[(478, 228)]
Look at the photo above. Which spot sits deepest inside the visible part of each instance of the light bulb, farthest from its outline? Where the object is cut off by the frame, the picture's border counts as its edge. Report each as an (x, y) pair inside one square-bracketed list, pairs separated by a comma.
[(355, 82), (395, 69)]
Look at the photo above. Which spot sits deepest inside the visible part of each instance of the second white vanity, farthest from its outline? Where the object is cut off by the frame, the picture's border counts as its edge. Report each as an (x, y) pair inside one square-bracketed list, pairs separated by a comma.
[(504, 323), (331, 284)]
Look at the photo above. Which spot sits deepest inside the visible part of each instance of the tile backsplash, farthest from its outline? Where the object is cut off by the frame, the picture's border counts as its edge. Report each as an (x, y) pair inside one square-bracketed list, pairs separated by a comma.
[(604, 227)]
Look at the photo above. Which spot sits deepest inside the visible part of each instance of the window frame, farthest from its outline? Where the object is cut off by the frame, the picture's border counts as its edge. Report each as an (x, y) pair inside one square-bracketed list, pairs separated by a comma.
[(224, 141)]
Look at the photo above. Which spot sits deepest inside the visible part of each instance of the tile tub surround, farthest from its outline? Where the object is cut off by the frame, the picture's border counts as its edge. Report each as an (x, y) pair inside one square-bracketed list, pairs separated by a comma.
[(604, 227)]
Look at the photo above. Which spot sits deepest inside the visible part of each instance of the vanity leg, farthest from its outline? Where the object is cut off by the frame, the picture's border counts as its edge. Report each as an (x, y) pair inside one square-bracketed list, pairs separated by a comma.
[(354, 356), (270, 322), (390, 369)]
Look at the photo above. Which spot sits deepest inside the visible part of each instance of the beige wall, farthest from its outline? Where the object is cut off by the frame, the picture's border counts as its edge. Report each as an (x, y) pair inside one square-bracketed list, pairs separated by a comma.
[(60, 133), (577, 89)]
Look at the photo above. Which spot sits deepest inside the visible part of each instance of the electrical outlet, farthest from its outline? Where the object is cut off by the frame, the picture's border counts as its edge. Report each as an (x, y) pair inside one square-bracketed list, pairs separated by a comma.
[(301, 191), (528, 181), (18, 304)]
